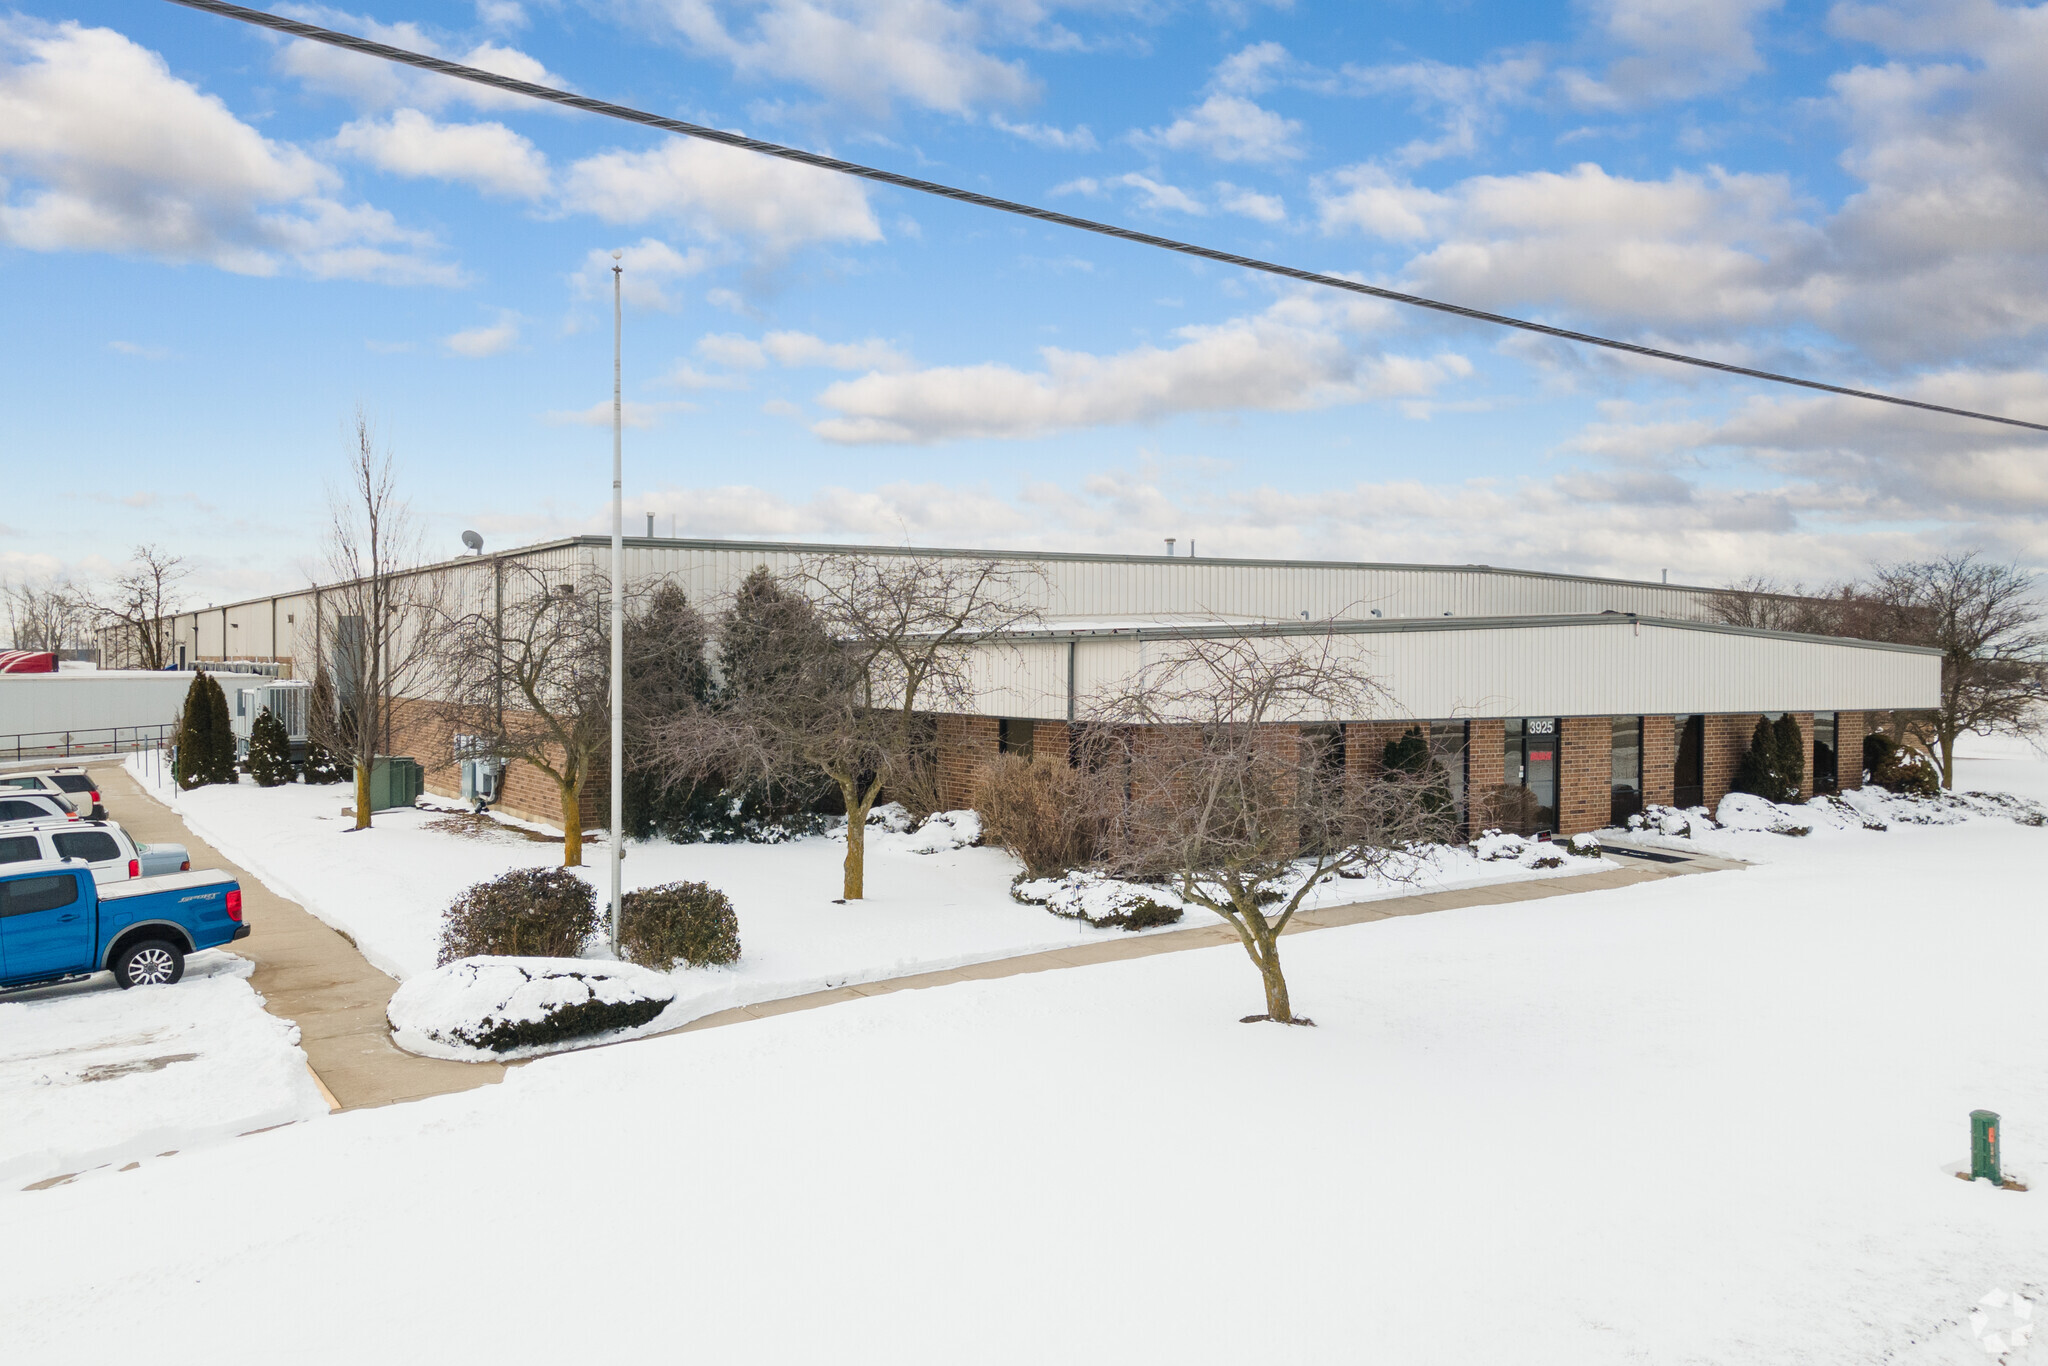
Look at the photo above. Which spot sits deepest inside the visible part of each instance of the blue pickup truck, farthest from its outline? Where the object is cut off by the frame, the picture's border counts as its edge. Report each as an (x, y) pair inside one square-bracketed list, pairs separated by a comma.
[(56, 923)]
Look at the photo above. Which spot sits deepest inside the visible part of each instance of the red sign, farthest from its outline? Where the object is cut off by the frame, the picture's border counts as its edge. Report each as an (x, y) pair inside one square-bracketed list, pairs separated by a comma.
[(1540, 756)]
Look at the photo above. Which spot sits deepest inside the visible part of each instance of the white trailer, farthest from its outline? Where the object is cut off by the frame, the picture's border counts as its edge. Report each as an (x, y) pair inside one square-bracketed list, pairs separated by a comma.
[(289, 700)]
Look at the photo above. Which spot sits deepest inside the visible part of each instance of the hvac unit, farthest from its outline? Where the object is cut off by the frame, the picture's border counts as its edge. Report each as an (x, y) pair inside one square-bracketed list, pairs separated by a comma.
[(481, 779), (288, 700)]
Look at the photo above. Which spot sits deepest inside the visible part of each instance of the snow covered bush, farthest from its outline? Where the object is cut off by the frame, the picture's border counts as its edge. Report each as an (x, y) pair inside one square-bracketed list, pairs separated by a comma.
[(1047, 812), (689, 922), (1103, 902), (1585, 846), (1674, 821), (1747, 811), (478, 1007), (537, 912), (1896, 768)]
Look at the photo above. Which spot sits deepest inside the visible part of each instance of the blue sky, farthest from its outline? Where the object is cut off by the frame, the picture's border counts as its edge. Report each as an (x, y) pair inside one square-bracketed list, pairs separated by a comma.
[(215, 246)]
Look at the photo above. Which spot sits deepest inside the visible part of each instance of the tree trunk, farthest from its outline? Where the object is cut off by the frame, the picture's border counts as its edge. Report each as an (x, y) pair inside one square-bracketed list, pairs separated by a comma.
[(1268, 959), (1948, 740), (362, 796), (857, 808), (572, 823)]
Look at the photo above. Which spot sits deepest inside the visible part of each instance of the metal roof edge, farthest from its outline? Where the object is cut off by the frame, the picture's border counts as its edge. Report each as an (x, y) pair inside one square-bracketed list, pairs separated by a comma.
[(1398, 625)]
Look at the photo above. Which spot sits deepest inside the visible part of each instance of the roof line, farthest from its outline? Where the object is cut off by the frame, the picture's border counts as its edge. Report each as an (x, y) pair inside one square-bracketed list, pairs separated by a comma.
[(1400, 625)]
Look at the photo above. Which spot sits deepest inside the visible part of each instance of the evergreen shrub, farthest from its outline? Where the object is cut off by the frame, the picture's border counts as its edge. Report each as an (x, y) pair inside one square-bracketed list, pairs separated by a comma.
[(690, 922), (1774, 767), (270, 751), (1897, 768), (206, 738), (528, 913)]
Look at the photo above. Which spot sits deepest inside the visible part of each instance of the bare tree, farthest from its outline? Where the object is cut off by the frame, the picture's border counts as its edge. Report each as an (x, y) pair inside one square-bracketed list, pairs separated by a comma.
[(1229, 804), (827, 674), (138, 606), (381, 620), (1988, 624), (46, 616), (533, 669)]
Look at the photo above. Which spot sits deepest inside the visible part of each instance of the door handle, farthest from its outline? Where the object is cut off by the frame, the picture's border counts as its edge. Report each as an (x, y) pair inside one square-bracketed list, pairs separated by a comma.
[(67, 919)]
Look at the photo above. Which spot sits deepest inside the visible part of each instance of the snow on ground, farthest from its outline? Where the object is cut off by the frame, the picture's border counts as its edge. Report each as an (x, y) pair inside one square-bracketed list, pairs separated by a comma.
[(1703, 1119), (387, 887), (91, 1074)]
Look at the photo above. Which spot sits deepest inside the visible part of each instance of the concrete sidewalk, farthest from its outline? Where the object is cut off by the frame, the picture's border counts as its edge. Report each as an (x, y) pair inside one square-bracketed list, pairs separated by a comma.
[(308, 973), (312, 974)]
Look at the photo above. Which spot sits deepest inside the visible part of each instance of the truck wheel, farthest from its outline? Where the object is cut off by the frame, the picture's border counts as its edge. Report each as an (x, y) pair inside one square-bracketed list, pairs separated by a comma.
[(149, 962)]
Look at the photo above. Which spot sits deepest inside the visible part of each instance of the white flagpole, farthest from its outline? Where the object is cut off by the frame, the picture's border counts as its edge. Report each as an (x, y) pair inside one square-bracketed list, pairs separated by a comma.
[(618, 605)]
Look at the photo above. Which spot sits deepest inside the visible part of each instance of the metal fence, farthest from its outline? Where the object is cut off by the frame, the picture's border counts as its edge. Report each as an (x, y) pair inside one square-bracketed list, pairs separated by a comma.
[(79, 744)]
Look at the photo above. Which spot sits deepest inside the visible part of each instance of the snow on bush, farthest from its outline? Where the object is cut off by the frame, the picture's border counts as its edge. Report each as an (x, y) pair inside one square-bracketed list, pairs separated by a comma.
[(1746, 811), (479, 1009), (892, 827), (1497, 846), (1677, 822), (1101, 901), (1585, 846)]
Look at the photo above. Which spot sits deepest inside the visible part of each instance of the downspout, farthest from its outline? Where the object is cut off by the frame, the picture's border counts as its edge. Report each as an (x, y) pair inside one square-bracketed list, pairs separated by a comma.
[(1072, 646)]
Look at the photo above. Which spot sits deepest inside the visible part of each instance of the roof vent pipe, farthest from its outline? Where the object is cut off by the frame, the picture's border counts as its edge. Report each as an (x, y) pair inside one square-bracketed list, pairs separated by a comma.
[(1667, 576), (1169, 546)]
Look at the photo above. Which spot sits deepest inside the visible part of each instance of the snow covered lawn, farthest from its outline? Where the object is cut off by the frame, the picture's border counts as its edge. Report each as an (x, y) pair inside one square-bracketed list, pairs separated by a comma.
[(1705, 1119), (387, 887), (92, 1075)]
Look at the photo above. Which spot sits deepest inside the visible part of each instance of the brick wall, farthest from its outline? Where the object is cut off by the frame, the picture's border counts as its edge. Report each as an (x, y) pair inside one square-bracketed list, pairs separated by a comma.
[(1850, 728), (1485, 766), (1366, 741), (1052, 740), (1725, 742), (1804, 720), (426, 731), (1660, 759), (966, 744), (1585, 777)]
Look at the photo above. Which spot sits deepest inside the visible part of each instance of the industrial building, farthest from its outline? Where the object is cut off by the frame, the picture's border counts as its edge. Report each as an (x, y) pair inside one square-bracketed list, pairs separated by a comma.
[(1595, 695)]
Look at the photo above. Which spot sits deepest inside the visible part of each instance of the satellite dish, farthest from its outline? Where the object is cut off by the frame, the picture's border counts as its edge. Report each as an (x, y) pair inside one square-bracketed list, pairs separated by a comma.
[(473, 541)]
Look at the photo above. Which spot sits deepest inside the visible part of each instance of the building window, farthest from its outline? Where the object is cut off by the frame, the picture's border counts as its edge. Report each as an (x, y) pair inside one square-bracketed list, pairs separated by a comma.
[(1688, 770), (1531, 765), (1014, 737), (1447, 746), (1827, 776), (1626, 787)]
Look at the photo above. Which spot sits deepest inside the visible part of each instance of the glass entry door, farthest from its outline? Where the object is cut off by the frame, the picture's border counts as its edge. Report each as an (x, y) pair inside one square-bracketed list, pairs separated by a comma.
[(1531, 764), (1689, 773)]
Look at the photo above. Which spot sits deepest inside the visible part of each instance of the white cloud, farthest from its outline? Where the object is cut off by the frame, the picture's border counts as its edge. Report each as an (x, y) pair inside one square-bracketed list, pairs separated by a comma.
[(479, 342), (1155, 196), (371, 83), (1368, 199), (647, 272), (1677, 49), (800, 350), (502, 14), (1266, 208), (720, 192), (489, 156), (1228, 128), (1055, 139), (1252, 70), (869, 53), (141, 351), (1465, 100), (110, 152), (1300, 353), (639, 416)]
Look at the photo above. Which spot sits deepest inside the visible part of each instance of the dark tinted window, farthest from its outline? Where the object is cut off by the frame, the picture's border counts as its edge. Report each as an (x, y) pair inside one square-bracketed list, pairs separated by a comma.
[(27, 894), (19, 848), (94, 846), (74, 782), (22, 811), (31, 784)]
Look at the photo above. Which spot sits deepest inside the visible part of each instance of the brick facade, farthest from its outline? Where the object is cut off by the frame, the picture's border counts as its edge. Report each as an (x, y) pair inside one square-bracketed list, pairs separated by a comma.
[(966, 745), (1804, 720), (426, 731), (1726, 741), (1585, 774), (1365, 742), (1660, 759), (1485, 767), (1850, 728)]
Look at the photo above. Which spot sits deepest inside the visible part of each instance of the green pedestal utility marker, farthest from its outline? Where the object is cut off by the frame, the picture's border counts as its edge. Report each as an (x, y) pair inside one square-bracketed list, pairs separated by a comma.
[(1984, 1147)]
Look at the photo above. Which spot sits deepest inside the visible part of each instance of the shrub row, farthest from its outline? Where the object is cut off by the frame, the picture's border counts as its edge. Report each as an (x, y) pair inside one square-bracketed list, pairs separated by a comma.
[(552, 913)]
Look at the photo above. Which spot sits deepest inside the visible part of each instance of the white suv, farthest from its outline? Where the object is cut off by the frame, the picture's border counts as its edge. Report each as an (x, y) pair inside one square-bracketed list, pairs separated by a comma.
[(73, 784), (102, 845), (17, 805)]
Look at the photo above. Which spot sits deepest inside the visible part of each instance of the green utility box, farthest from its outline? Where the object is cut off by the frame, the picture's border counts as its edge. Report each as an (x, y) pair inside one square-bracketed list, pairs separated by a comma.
[(395, 780), (1984, 1165)]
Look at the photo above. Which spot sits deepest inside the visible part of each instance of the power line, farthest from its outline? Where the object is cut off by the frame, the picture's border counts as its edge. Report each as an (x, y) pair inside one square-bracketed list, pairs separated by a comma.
[(369, 48)]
